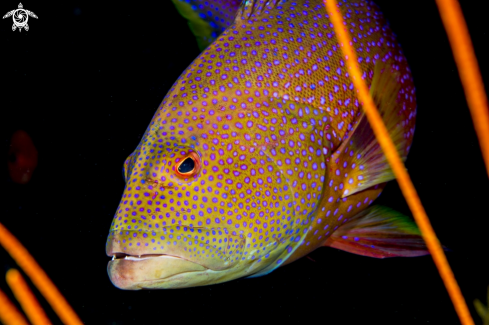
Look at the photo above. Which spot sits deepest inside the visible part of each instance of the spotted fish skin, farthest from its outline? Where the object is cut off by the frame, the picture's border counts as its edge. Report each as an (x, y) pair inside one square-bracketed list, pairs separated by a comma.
[(283, 153)]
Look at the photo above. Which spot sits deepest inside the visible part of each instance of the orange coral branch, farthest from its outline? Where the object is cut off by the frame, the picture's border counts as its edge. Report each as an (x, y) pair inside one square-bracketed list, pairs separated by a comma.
[(397, 166), (26, 298), (38, 277), (9, 314), (468, 69)]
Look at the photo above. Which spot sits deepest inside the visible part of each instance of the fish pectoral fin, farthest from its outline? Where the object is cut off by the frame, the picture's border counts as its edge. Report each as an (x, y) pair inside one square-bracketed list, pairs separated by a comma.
[(379, 232), (360, 155)]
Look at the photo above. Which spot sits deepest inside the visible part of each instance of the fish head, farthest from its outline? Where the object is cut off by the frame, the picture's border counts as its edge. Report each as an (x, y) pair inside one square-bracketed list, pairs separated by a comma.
[(203, 203)]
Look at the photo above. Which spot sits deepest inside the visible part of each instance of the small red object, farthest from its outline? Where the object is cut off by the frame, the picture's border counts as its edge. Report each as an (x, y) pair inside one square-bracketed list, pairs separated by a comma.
[(22, 157)]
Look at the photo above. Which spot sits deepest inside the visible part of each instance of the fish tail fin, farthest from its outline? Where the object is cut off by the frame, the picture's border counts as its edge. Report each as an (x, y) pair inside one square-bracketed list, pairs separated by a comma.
[(360, 151), (379, 232)]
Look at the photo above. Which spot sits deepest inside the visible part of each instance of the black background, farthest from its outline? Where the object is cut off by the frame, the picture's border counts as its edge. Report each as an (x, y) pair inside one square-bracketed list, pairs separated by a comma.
[(85, 81)]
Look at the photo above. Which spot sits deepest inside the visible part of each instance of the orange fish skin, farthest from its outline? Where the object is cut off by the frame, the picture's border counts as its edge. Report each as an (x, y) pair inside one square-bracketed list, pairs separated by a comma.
[(262, 112), (22, 159)]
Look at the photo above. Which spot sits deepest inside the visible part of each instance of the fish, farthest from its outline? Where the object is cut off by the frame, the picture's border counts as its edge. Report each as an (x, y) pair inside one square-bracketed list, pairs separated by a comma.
[(22, 157), (261, 153)]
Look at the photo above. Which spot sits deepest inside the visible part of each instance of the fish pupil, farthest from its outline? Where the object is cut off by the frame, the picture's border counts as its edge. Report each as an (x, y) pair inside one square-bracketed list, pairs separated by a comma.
[(186, 166)]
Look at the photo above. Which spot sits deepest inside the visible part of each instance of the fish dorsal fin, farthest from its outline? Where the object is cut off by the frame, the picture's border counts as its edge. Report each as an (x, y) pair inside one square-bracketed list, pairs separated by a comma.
[(250, 9), (379, 232), (207, 19), (360, 155)]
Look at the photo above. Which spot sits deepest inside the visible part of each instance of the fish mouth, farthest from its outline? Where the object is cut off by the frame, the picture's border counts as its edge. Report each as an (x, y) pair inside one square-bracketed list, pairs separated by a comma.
[(118, 256), (213, 248), (153, 271), (172, 257)]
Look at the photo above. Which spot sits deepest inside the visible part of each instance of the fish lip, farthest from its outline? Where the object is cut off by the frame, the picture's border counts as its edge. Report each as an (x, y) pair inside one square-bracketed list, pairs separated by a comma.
[(142, 257), (130, 274)]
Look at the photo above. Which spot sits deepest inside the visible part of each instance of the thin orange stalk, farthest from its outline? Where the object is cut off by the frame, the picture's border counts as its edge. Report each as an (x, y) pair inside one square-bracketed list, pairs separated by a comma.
[(38, 277), (468, 69), (26, 298), (397, 166), (9, 314)]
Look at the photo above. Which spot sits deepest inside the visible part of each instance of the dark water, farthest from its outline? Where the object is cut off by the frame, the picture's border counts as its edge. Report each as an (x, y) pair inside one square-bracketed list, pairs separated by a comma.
[(85, 81)]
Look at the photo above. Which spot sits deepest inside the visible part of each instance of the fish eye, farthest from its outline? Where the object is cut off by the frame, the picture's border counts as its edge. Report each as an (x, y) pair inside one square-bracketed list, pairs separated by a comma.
[(187, 166)]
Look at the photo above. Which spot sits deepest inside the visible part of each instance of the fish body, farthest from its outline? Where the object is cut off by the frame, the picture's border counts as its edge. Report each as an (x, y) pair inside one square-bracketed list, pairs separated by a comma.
[(260, 153)]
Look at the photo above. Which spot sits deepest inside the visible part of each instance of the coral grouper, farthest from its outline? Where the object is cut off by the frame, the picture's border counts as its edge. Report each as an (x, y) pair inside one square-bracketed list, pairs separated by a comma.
[(260, 152)]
